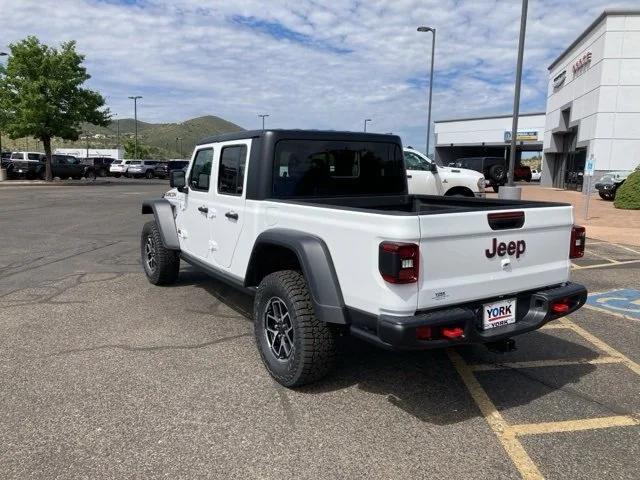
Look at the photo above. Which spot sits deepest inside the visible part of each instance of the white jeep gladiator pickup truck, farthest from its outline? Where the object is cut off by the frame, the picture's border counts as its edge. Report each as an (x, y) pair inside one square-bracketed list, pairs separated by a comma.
[(320, 228)]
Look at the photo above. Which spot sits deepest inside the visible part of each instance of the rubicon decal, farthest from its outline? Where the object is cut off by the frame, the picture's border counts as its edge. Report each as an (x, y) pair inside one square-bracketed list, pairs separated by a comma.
[(501, 249)]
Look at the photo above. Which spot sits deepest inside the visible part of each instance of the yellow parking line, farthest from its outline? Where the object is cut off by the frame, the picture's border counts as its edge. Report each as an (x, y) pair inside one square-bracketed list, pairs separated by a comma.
[(602, 265), (484, 367), (506, 435), (626, 248), (604, 347), (554, 326), (575, 425), (609, 312), (602, 256)]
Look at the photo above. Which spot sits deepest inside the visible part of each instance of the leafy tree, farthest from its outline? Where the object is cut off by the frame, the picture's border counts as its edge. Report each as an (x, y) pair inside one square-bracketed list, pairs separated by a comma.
[(628, 195), (144, 151), (42, 96)]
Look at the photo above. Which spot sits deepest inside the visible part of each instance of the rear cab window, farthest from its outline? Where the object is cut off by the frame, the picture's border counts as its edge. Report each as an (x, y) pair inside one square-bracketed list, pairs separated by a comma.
[(314, 168)]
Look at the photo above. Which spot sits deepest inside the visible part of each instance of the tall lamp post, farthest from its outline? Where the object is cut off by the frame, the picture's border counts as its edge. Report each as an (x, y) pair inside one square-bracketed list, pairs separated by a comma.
[(135, 121), (511, 191), (433, 54), (2, 169), (366, 120), (263, 116)]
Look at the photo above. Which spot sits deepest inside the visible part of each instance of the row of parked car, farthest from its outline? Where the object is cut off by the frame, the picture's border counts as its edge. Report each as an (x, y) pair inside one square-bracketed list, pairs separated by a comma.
[(31, 165)]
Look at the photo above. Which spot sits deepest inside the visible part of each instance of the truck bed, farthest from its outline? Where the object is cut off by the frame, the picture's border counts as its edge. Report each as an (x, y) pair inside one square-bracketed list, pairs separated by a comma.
[(420, 204)]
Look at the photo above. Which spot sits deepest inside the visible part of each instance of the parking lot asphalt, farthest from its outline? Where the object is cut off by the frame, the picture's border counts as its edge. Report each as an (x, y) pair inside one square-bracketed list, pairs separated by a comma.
[(103, 375)]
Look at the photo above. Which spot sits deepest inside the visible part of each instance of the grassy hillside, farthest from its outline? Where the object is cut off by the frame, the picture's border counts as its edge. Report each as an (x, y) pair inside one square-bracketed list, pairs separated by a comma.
[(161, 136)]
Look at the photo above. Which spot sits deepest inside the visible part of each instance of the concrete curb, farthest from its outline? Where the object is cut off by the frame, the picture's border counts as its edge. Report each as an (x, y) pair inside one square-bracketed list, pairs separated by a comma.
[(75, 183)]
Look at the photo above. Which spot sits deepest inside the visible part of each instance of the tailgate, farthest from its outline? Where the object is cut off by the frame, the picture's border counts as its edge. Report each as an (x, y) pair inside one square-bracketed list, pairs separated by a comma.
[(464, 259)]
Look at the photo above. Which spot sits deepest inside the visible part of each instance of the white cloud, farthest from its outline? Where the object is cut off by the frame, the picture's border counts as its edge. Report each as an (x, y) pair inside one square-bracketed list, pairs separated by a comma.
[(190, 58)]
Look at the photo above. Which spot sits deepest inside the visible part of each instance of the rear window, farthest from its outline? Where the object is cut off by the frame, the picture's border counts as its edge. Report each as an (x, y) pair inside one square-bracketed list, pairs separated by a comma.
[(135, 162), (310, 168), (34, 156), (117, 162), (16, 156)]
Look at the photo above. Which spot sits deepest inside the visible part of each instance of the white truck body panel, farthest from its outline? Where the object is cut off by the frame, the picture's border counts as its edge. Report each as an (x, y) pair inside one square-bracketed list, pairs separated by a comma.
[(453, 264)]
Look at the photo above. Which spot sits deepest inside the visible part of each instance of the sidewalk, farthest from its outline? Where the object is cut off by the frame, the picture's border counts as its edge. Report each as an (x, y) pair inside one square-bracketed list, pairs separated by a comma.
[(605, 221)]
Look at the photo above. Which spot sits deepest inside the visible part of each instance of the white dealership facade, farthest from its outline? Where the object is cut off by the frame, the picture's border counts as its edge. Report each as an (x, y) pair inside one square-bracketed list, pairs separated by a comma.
[(593, 109)]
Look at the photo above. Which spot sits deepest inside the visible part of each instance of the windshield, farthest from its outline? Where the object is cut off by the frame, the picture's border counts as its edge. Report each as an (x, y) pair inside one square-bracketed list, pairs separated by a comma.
[(307, 168), (16, 156), (135, 162), (117, 162)]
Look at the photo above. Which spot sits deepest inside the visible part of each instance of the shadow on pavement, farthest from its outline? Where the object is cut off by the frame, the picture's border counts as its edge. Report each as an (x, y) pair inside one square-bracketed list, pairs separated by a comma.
[(424, 384)]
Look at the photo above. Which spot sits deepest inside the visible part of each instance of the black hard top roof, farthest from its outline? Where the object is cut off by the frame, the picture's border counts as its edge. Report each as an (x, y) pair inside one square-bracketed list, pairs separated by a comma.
[(276, 134)]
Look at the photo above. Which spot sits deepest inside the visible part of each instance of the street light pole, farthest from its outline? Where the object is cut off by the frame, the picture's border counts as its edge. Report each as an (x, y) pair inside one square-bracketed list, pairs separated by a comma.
[(3, 172), (365, 123), (179, 139), (511, 191), (135, 119), (433, 54), (263, 116)]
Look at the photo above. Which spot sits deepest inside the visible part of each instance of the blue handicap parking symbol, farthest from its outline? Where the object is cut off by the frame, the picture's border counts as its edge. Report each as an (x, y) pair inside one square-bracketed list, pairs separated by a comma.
[(626, 301)]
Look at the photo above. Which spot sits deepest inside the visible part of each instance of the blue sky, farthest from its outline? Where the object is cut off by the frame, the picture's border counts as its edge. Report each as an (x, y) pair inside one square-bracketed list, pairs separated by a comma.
[(308, 63)]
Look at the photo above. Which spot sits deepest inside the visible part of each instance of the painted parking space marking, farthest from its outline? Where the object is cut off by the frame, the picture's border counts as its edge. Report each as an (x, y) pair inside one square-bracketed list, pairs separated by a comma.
[(509, 434), (625, 301)]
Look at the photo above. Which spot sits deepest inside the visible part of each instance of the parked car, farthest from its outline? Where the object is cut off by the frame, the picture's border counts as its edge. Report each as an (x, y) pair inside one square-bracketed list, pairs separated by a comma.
[(25, 164), (536, 175), (425, 177), (119, 167), (522, 172), (320, 227), (100, 165), (163, 169), (494, 169), (141, 168), (608, 185), (62, 166), (5, 159)]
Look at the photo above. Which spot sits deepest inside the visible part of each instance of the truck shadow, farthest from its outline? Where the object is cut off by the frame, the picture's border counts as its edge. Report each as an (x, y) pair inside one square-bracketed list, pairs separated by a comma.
[(425, 384)]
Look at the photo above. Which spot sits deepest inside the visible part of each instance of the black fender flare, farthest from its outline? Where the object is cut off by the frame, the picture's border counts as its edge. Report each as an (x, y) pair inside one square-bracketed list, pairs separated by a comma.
[(162, 211), (317, 267)]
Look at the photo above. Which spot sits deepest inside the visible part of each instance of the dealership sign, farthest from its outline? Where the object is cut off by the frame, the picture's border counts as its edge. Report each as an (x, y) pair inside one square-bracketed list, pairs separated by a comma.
[(582, 63), (522, 135), (558, 81)]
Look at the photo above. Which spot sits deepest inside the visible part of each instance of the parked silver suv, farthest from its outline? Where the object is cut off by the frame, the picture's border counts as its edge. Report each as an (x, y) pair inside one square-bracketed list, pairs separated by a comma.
[(141, 168)]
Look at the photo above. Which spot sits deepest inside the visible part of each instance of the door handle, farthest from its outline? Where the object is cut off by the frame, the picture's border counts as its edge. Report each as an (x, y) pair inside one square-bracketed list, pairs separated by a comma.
[(203, 209), (232, 215), (409, 176)]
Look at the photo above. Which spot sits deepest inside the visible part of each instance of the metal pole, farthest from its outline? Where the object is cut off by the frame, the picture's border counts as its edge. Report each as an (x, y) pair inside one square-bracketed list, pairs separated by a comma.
[(365, 124), (263, 116), (516, 98), (135, 121), (433, 54), (118, 133)]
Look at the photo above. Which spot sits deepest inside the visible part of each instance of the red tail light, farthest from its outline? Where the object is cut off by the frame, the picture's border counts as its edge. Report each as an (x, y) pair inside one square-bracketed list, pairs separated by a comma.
[(578, 240), (399, 262), (452, 332), (561, 306)]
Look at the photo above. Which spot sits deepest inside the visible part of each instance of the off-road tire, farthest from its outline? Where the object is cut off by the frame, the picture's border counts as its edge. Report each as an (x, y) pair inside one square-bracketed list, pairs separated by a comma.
[(314, 342), (149, 174), (495, 187), (497, 173), (167, 262), (90, 175)]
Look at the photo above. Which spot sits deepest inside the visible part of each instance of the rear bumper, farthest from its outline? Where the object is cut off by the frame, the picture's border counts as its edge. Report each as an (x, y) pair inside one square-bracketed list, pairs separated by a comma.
[(399, 333)]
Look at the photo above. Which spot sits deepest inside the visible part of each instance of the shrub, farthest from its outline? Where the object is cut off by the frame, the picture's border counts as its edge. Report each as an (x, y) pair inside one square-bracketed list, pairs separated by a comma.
[(628, 195)]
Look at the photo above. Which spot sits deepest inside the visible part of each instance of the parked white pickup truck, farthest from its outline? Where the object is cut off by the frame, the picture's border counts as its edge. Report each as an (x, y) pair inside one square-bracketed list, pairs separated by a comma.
[(320, 227), (425, 177)]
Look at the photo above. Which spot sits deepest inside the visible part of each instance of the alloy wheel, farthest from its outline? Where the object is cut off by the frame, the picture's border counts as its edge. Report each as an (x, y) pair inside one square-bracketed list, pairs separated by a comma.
[(278, 328), (150, 254)]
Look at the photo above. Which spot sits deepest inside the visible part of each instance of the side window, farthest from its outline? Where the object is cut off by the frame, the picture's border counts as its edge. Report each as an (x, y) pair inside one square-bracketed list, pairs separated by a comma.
[(201, 170), (231, 173), (414, 162)]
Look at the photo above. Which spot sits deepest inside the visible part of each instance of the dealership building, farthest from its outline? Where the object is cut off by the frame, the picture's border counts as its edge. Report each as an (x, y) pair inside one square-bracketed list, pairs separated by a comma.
[(593, 109)]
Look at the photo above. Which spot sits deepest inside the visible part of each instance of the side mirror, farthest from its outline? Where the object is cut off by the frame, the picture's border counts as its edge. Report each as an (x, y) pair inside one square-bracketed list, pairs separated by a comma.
[(178, 179), (433, 168)]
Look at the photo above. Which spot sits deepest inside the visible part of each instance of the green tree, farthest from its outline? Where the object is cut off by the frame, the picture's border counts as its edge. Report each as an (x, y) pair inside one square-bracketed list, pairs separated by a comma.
[(144, 151), (42, 96)]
